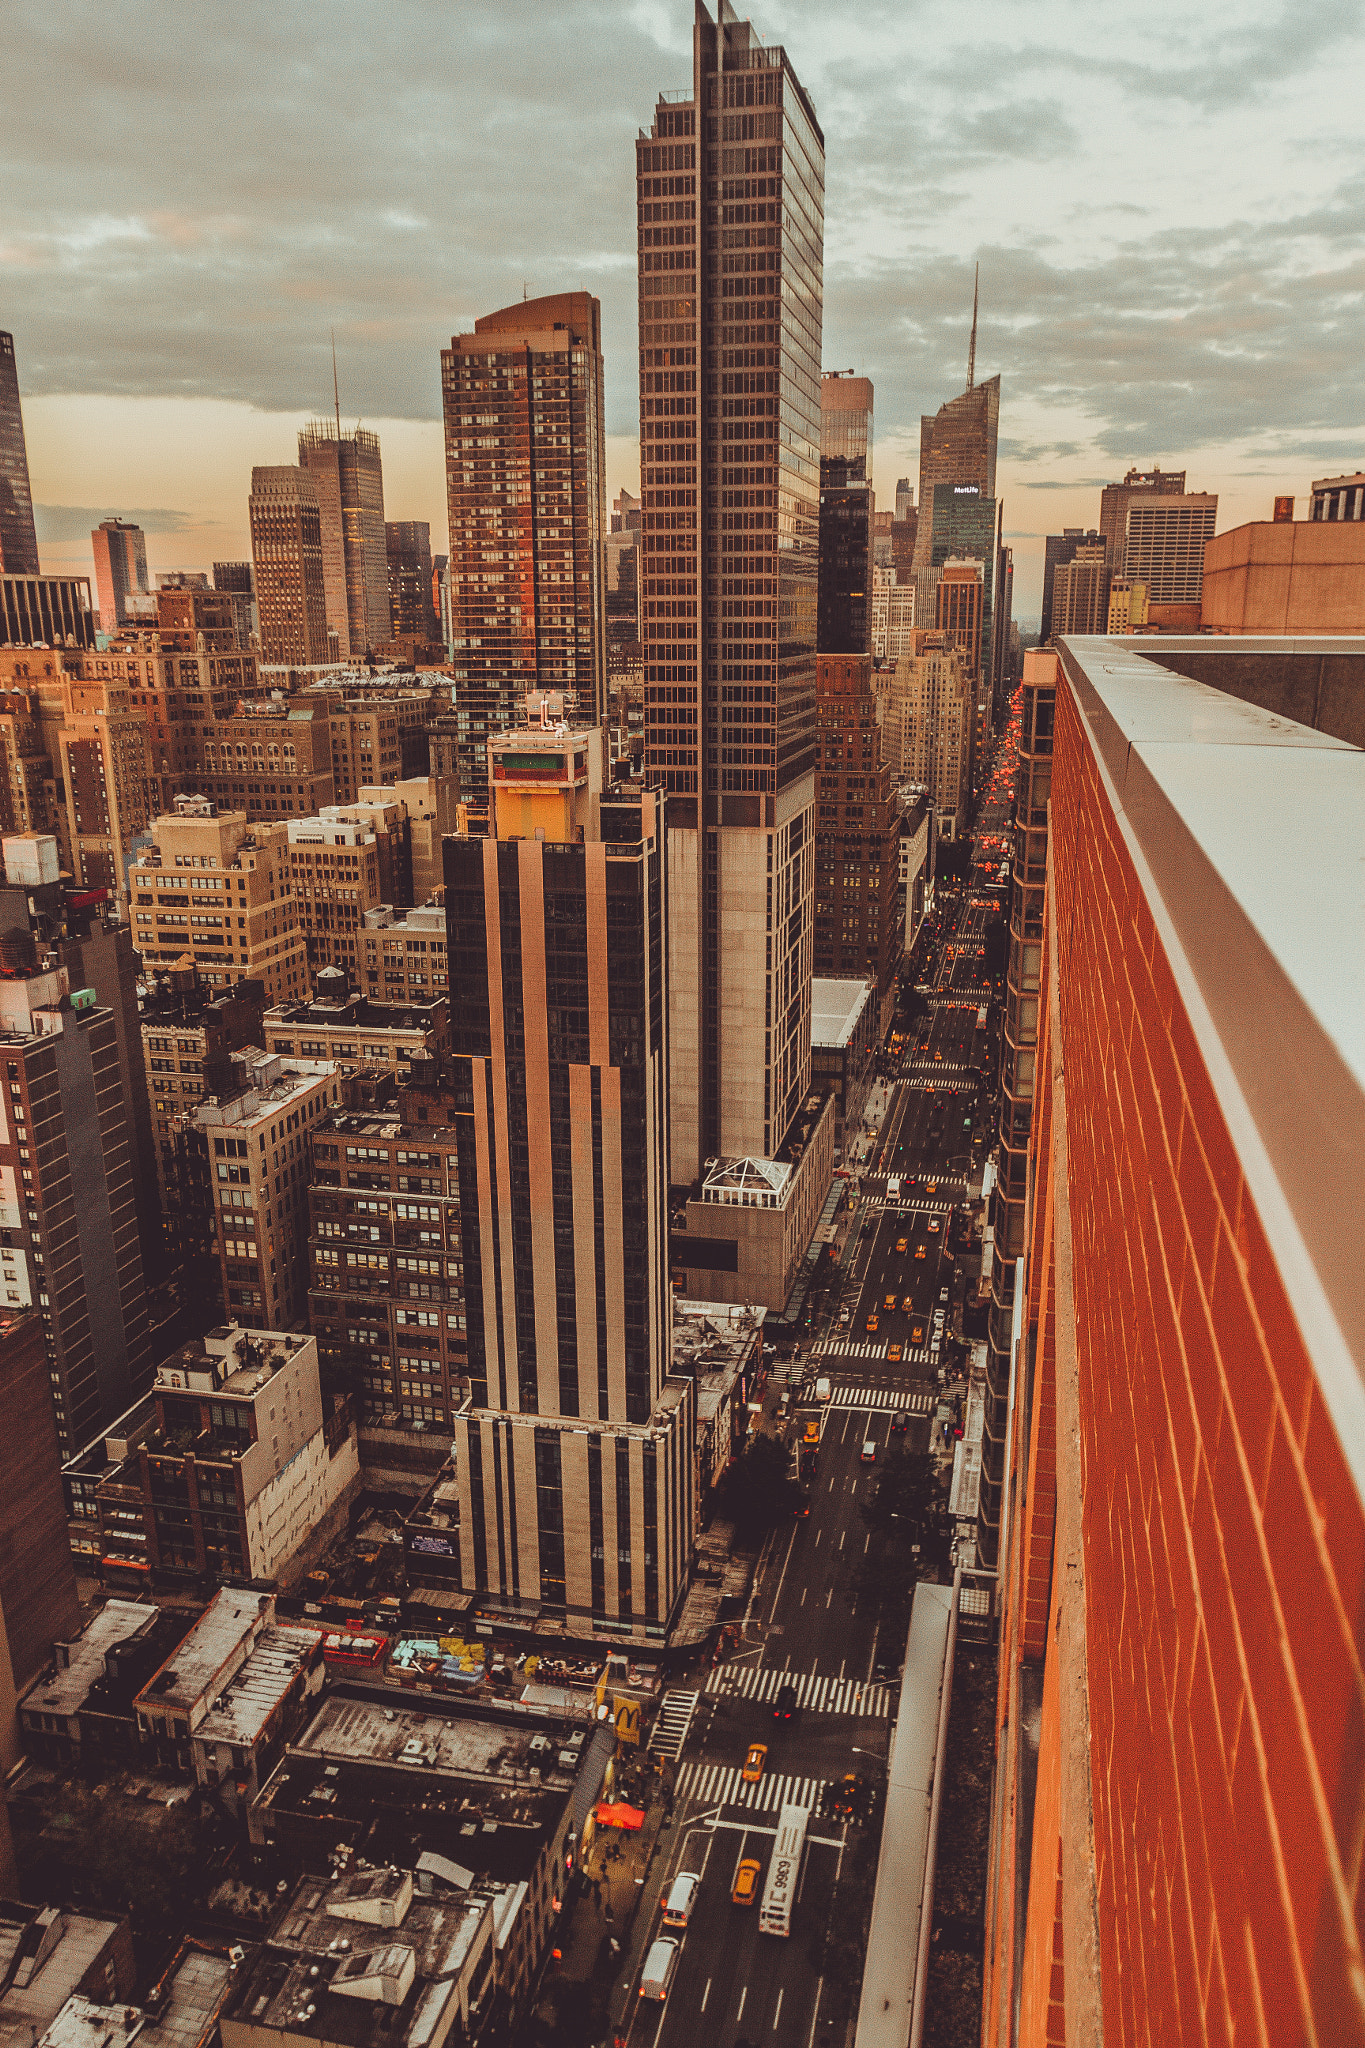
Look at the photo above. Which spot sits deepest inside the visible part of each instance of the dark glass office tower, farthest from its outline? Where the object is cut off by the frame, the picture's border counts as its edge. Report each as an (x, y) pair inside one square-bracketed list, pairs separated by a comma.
[(18, 538), (411, 610), (730, 192), (845, 607), (962, 526)]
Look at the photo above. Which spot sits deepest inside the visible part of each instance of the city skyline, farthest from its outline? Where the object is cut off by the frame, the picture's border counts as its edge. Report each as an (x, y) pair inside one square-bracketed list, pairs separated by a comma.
[(1196, 329)]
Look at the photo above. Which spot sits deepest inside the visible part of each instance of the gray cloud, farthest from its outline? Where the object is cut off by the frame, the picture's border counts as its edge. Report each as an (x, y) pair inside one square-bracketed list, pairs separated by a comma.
[(59, 524), (216, 202)]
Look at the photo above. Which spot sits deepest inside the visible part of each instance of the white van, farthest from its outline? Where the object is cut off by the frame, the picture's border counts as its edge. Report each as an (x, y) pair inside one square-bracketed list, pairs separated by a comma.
[(660, 1966), (822, 1389), (682, 1895)]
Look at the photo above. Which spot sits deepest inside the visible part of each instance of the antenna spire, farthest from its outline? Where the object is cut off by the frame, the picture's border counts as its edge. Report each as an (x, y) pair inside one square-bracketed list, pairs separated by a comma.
[(336, 388), (971, 352)]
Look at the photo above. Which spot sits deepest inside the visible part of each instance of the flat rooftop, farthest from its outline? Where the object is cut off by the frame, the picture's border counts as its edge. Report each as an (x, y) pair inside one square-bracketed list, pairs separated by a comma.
[(195, 1666), (411, 1739), (254, 1692), (117, 1622), (835, 1007)]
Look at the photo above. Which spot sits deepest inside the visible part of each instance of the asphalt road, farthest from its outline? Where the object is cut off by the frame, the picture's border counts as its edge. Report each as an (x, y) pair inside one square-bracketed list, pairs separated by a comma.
[(813, 1617)]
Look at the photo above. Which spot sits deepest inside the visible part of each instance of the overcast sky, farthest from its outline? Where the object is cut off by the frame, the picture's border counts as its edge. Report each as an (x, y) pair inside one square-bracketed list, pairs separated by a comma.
[(1168, 206)]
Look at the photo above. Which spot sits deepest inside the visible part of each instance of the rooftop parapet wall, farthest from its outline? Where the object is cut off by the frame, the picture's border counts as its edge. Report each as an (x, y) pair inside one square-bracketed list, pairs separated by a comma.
[(1207, 862)]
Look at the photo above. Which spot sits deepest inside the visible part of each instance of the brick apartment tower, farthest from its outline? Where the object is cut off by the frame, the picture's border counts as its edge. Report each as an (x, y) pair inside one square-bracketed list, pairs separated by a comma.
[(525, 443), (1179, 1804), (730, 204), (18, 536), (574, 1462)]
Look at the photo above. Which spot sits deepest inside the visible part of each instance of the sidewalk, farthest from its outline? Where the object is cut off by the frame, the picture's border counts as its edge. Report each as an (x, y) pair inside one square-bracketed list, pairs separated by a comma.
[(609, 1896)]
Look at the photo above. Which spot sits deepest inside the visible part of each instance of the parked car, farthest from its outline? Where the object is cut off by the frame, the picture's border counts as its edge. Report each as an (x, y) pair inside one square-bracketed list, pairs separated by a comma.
[(660, 1968)]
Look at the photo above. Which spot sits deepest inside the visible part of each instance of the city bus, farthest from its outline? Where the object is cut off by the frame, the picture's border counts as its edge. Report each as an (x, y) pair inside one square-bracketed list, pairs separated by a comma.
[(784, 1872)]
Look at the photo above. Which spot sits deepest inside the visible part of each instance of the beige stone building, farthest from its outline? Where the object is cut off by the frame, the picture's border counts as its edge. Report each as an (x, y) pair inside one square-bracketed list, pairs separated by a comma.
[(103, 763), (217, 885), (353, 1032), (929, 727), (258, 1141), (405, 957)]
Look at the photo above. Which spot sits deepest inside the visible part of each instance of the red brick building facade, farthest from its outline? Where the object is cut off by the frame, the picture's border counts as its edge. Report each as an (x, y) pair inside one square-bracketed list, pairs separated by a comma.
[(1179, 1813)]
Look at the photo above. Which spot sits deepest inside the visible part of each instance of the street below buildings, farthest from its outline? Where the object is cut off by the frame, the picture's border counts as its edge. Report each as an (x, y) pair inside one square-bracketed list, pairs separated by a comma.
[(887, 1340)]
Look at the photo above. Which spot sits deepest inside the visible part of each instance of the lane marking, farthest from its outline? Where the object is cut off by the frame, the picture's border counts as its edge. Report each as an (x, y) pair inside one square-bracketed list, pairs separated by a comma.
[(706, 1994), (778, 2012)]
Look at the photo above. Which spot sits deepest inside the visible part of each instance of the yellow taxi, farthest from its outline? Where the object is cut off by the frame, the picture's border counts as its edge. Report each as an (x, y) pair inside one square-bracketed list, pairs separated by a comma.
[(900, 1244), (889, 1303), (812, 1435), (744, 1890), (893, 1353), (872, 1326), (931, 1187), (920, 1251), (754, 1762)]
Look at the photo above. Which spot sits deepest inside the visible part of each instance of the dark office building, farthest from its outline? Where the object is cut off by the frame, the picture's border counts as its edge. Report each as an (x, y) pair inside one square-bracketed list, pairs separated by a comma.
[(18, 537), (67, 1198), (730, 209), (844, 621), (38, 1602), (235, 576), (411, 611), (46, 611), (574, 1463), (963, 528)]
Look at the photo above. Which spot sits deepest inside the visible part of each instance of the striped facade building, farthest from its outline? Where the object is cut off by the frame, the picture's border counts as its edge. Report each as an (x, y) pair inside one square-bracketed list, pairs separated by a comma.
[(574, 1463)]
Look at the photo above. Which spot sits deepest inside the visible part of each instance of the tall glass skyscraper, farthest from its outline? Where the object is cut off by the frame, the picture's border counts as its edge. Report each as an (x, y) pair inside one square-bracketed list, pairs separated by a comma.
[(349, 475), (962, 524), (18, 538), (730, 188)]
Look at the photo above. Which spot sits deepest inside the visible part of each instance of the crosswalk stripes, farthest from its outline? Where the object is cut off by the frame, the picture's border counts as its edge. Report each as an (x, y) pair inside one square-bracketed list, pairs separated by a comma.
[(847, 1347), (721, 1785), (818, 1693), (881, 1397), (671, 1724)]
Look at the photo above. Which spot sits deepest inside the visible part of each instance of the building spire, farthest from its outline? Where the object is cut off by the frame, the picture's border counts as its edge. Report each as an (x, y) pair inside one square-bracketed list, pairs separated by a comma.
[(971, 352), (336, 388)]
